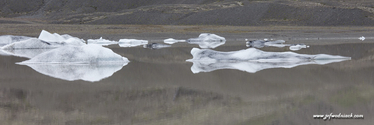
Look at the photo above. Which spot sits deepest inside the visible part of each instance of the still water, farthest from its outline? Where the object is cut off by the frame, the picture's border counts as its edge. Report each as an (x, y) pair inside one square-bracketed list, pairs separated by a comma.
[(158, 86)]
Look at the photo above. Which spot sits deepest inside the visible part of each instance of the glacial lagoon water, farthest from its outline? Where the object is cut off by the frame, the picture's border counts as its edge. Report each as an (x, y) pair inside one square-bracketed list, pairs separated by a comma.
[(167, 67)]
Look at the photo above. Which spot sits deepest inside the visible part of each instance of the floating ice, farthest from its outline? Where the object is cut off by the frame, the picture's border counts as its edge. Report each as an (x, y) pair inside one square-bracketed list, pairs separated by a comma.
[(252, 60), (101, 41), (156, 46), (276, 43), (362, 38), (86, 54), (131, 42), (295, 47), (57, 38), (72, 72), (27, 53), (32, 43), (207, 40), (172, 41), (8, 39)]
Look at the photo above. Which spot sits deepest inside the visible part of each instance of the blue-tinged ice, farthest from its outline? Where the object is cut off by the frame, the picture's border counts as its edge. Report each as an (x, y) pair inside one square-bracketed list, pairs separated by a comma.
[(101, 41), (131, 42), (172, 41), (207, 40), (252, 60), (8, 39), (86, 54)]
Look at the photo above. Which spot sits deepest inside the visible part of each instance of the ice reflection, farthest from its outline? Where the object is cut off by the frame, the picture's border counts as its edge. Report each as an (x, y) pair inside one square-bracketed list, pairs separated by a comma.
[(207, 40), (72, 72), (252, 60)]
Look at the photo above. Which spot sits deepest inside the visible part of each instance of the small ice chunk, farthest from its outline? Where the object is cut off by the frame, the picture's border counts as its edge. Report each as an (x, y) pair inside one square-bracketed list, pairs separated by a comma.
[(296, 47), (8, 39), (252, 60), (131, 42), (172, 41), (57, 38), (86, 54), (101, 41), (156, 46), (207, 40), (362, 38), (263, 43)]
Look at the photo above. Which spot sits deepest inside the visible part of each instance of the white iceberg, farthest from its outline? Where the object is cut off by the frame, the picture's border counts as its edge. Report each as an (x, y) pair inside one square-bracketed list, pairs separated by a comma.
[(207, 40), (57, 38), (27, 53), (296, 47), (156, 46), (32, 43), (8, 39), (86, 54), (252, 60), (131, 42), (172, 41), (72, 72), (101, 41)]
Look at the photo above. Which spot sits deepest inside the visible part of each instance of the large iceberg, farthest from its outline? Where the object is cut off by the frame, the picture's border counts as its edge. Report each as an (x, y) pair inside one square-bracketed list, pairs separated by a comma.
[(101, 41), (32, 43), (57, 38), (252, 60), (131, 42), (86, 54), (8, 39), (27, 53), (72, 72), (207, 40)]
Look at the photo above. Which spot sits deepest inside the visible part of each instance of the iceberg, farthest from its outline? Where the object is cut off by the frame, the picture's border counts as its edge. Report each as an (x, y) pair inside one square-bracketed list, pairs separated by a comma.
[(86, 54), (27, 53), (57, 38), (131, 42), (172, 41), (156, 46), (101, 41), (276, 43), (207, 40), (8, 39), (72, 72), (32, 43), (252, 60)]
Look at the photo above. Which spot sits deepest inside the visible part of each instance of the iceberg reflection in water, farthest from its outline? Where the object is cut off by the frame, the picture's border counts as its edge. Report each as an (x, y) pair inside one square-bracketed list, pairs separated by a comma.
[(252, 60), (72, 72)]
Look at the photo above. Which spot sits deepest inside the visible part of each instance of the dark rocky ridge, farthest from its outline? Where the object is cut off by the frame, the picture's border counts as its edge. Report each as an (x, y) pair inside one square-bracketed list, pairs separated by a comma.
[(193, 12)]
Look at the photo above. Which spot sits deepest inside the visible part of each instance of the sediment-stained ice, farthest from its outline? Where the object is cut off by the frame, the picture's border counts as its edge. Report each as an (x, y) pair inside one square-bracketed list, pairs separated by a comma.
[(276, 43), (207, 40), (156, 46), (252, 60), (8, 39), (57, 38), (101, 41), (32, 43), (86, 54), (72, 72), (131, 42), (172, 41)]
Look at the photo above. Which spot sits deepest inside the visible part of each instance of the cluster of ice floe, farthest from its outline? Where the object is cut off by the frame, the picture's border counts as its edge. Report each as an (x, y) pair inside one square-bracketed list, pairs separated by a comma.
[(64, 56), (275, 43), (252, 60)]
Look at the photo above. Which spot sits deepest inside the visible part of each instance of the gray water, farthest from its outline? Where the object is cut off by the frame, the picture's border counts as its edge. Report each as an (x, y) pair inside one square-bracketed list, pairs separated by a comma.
[(158, 87)]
